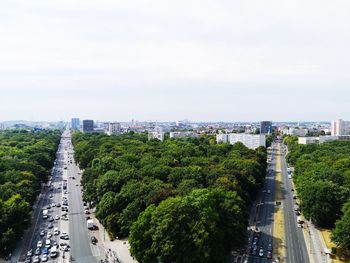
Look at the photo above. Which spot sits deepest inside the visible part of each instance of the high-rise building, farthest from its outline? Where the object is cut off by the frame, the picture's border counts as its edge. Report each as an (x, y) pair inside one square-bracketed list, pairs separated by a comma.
[(75, 124), (266, 127), (339, 127), (88, 125)]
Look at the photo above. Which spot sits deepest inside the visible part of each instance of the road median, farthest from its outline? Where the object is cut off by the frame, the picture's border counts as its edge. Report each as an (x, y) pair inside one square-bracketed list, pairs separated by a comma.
[(278, 217)]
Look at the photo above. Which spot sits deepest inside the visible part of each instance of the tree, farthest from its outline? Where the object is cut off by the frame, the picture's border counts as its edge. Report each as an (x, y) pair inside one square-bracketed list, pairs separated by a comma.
[(341, 233), (201, 227)]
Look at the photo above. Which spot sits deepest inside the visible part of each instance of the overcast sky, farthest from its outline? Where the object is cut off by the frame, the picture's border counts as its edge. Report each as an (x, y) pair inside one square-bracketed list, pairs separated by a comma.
[(234, 60)]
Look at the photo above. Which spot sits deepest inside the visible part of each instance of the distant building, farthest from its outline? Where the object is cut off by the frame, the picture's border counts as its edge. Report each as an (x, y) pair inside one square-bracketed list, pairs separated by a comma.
[(339, 127), (252, 141), (297, 132), (114, 128), (88, 125), (75, 124), (156, 134), (222, 138), (265, 127), (183, 134), (308, 140), (322, 139)]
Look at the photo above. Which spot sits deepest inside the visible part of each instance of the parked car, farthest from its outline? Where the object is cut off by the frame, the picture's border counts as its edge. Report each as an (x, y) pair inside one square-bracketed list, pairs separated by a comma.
[(93, 240)]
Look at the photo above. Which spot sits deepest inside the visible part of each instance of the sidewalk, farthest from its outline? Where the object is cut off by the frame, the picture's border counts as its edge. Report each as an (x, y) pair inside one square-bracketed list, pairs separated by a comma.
[(115, 251)]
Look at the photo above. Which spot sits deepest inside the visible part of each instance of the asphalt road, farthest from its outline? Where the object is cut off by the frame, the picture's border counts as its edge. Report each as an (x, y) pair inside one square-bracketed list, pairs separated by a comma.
[(263, 213), (82, 250), (296, 251)]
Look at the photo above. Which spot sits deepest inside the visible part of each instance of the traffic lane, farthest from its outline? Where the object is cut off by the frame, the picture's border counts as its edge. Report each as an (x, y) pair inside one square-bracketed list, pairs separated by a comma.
[(79, 235), (296, 248)]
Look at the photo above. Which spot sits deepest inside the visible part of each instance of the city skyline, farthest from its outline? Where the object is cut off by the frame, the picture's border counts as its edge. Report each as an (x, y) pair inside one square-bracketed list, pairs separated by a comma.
[(203, 61)]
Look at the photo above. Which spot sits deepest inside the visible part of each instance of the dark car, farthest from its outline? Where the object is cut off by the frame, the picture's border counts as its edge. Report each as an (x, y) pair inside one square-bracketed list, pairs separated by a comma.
[(254, 250), (93, 240), (269, 254)]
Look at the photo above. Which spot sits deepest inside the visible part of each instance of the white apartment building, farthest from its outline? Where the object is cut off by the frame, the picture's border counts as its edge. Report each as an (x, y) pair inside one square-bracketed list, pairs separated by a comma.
[(322, 139), (222, 138), (114, 128), (183, 134), (308, 140), (156, 134), (339, 127), (252, 141)]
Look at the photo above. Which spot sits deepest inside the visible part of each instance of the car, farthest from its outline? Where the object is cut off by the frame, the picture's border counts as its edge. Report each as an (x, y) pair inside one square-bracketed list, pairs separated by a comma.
[(49, 234), (36, 259), (39, 244), (297, 213), (64, 218), (261, 252), (269, 191), (37, 251), (56, 232), (300, 225), (292, 189), (73, 177), (53, 205), (76, 184), (30, 253), (50, 226), (93, 240), (42, 233), (269, 247), (58, 204), (45, 250), (57, 217), (254, 250), (294, 197), (51, 195), (86, 211), (65, 237), (65, 192), (48, 243), (255, 240), (269, 254), (44, 258), (28, 260)]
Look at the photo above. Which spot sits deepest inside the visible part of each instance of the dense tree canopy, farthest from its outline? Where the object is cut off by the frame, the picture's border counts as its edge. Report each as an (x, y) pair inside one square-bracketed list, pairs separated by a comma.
[(25, 161), (322, 179), (140, 185)]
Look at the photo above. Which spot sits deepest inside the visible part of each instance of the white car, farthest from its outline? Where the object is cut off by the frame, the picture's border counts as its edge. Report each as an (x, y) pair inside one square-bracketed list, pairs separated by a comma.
[(57, 217), (44, 258), (49, 234), (39, 244), (36, 259)]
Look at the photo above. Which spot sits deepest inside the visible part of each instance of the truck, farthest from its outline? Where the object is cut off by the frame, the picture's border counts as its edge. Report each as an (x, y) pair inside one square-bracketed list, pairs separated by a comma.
[(90, 224), (45, 213)]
